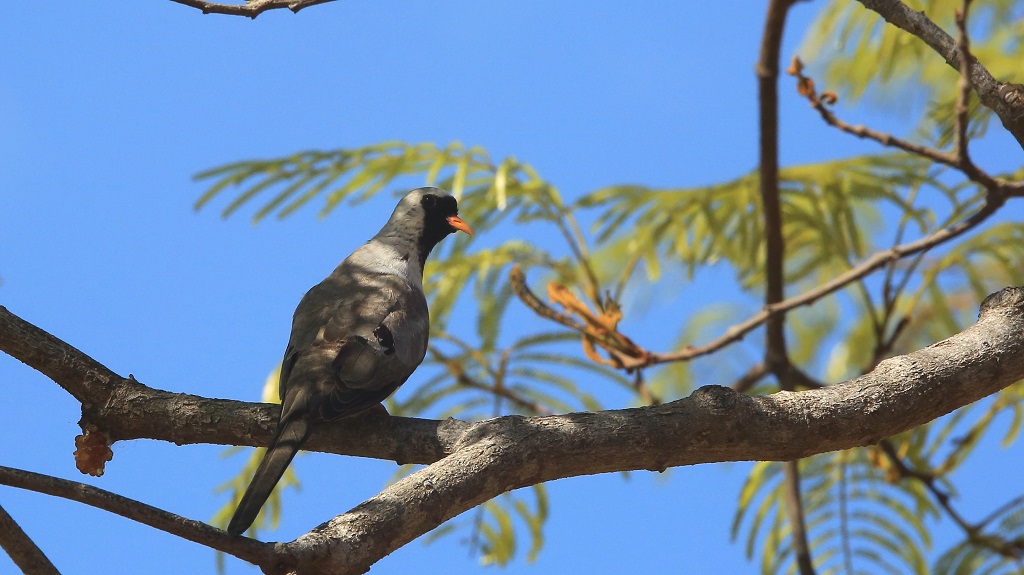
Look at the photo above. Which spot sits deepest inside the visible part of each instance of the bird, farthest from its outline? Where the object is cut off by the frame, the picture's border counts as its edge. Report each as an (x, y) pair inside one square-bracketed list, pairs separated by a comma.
[(356, 336)]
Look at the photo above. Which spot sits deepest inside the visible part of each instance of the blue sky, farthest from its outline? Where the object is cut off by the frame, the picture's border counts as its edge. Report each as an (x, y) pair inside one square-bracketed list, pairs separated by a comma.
[(108, 109)]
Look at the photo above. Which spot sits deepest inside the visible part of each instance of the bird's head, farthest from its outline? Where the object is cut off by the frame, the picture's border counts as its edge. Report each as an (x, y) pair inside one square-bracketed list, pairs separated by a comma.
[(426, 216)]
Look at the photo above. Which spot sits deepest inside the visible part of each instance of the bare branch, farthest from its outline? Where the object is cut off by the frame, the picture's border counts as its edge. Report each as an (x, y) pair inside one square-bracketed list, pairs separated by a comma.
[(251, 8), (963, 96), (749, 379), (132, 410), (597, 330), (455, 368), (795, 513), (22, 550), (958, 158), (517, 279), (1002, 98), (776, 358), (84, 378), (198, 532), (768, 117)]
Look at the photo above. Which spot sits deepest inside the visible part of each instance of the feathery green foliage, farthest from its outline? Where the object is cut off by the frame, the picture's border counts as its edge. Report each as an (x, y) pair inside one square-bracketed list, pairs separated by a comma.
[(859, 521)]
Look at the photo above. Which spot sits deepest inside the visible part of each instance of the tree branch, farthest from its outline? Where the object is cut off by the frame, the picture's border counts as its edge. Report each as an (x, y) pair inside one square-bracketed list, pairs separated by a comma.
[(1002, 98), (963, 86), (125, 409), (776, 357), (247, 549), (22, 550), (251, 8), (768, 117), (713, 424), (483, 460)]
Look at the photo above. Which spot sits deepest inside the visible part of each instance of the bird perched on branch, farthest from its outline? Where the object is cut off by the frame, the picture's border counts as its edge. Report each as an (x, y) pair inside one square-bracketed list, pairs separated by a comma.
[(356, 336)]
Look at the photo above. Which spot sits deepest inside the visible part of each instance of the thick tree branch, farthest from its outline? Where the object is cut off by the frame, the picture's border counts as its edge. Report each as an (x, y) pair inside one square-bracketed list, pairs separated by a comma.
[(87, 380), (125, 409), (476, 462), (1002, 98), (22, 550), (713, 424), (251, 8)]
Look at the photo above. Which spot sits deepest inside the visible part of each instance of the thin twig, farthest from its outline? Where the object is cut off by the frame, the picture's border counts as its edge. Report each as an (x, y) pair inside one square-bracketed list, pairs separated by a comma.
[(993, 201), (873, 263), (22, 550), (795, 512), (844, 516), (891, 295), (518, 281), (776, 357), (623, 352), (627, 272), (246, 549), (957, 158), (768, 117), (926, 479), (1015, 502), (1011, 549), (643, 390), (963, 96), (583, 256), (750, 378), (1002, 98), (577, 242), (462, 378)]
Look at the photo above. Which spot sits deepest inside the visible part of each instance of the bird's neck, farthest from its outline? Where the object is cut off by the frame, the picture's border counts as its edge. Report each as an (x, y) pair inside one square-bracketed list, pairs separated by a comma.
[(392, 256)]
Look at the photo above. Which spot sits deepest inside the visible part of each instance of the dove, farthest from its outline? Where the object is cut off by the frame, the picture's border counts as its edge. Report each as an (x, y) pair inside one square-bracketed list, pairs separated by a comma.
[(356, 336)]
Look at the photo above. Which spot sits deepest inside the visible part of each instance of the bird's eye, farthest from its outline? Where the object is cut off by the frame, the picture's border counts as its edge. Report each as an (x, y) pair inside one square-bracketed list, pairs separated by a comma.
[(429, 201)]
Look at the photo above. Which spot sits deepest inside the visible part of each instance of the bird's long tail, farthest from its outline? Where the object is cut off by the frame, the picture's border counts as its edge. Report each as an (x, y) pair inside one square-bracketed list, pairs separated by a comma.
[(289, 437)]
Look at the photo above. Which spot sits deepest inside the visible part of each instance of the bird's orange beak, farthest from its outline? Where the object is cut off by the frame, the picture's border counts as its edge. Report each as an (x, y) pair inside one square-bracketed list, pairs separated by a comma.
[(457, 223)]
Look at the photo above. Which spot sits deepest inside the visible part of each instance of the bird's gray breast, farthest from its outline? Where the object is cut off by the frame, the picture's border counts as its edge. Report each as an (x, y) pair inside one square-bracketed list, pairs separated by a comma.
[(381, 319)]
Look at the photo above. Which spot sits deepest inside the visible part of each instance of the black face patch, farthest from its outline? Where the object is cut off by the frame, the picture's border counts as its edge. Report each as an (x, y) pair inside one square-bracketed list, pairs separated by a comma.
[(385, 339), (437, 209)]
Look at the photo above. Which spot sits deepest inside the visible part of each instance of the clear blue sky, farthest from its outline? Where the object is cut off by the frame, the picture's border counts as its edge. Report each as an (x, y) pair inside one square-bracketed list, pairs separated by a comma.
[(107, 110)]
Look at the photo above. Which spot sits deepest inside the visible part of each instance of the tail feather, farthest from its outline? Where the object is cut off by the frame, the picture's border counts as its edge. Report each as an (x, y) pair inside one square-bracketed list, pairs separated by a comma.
[(287, 441)]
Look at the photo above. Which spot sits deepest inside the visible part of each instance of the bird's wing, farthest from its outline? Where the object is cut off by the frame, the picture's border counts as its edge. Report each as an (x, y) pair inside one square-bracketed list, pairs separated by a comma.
[(364, 346), (362, 349)]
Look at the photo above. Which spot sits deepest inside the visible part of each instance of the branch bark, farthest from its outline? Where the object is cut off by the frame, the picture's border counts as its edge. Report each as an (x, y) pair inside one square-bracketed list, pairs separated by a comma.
[(776, 358), (714, 424), (247, 549), (768, 117), (22, 550), (125, 409), (476, 462), (1004, 99)]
